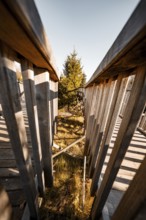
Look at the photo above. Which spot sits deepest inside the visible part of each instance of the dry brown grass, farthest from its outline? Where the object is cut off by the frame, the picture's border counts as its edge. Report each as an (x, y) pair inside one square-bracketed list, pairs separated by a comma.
[(64, 200)]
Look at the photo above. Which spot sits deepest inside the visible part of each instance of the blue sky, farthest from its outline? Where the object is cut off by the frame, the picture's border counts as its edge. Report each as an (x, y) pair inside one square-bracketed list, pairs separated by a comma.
[(88, 26)]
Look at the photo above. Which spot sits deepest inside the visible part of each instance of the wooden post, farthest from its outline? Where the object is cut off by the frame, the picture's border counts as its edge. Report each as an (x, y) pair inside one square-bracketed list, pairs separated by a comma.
[(44, 115), (84, 183), (113, 114), (54, 103), (56, 106), (103, 114), (89, 117), (128, 125), (30, 97), (92, 121), (95, 126), (15, 124)]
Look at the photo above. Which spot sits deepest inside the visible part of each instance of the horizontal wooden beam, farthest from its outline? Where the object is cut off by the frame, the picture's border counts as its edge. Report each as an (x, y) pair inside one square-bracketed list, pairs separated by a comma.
[(69, 146), (21, 28)]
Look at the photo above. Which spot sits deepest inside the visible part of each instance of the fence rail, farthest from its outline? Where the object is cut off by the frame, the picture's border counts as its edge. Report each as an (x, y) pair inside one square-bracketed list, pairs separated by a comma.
[(117, 88), (23, 40)]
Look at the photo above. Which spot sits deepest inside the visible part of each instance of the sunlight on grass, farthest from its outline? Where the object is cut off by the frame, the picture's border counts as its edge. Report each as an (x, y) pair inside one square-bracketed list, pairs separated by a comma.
[(64, 200)]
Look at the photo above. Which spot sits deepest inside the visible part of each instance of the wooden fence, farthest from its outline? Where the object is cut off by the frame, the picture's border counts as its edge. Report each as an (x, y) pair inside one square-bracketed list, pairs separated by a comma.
[(118, 87), (23, 40)]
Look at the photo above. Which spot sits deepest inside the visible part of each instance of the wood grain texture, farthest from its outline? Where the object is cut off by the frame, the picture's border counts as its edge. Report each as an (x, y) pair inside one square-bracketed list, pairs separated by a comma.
[(94, 112), (15, 124), (102, 122), (44, 115), (30, 97), (89, 116), (21, 19), (127, 128), (55, 106), (118, 96)]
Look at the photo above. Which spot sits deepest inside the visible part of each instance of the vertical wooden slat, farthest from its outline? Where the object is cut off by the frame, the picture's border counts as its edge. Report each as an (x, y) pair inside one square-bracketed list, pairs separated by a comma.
[(134, 197), (102, 122), (52, 104), (117, 100), (89, 117), (94, 126), (56, 106), (89, 94), (15, 124), (30, 97), (92, 120), (143, 122), (44, 115), (128, 125)]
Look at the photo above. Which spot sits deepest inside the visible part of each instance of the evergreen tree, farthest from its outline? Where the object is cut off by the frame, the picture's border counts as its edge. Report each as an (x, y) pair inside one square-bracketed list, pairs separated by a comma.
[(72, 79)]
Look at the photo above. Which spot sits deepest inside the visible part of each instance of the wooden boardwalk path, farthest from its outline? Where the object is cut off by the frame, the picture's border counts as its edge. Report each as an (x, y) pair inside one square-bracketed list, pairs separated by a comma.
[(132, 160), (9, 174), (10, 179)]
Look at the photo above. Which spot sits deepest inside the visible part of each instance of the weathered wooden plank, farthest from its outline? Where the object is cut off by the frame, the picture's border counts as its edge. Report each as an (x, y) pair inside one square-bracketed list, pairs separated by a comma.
[(97, 135), (10, 184), (15, 124), (68, 147), (128, 125), (5, 206), (114, 111), (134, 198), (30, 97), (52, 104), (21, 19), (103, 115), (7, 163), (142, 120), (142, 124), (94, 112), (91, 122), (9, 172), (4, 136), (5, 145), (6, 154), (44, 115), (141, 131), (95, 126), (56, 107), (88, 100), (88, 117)]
